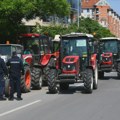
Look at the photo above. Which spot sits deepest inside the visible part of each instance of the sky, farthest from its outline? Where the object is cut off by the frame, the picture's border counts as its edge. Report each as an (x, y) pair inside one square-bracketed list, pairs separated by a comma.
[(115, 5)]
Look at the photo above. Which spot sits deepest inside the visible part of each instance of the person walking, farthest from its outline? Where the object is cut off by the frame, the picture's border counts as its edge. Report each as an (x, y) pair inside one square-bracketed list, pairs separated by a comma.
[(16, 68), (3, 71)]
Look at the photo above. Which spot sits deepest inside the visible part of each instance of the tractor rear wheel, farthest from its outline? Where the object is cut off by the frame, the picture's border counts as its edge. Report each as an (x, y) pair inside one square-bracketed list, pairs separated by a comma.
[(26, 81), (52, 86), (36, 78), (95, 82), (88, 80), (118, 73), (64, 86)]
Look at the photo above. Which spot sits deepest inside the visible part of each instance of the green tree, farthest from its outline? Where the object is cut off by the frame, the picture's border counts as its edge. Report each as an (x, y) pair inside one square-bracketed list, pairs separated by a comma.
[(13, 11), (88, 25)]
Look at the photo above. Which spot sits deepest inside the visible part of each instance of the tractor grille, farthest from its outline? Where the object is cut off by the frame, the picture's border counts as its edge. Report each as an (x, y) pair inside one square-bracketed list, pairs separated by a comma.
[(106, 59), (68, 67)]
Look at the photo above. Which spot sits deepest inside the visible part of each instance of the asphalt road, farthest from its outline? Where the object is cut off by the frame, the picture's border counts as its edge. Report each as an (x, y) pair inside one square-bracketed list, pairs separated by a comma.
[(102, 104)]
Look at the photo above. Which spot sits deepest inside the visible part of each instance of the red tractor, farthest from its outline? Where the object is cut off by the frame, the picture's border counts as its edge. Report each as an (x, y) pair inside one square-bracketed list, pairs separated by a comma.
[(38, 53), (77, 63), (6, 51), (109, 57)]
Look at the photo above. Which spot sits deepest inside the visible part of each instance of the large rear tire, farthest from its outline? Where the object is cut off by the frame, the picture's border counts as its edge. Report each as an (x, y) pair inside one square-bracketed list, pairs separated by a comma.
[(26, 80), (36, 78), (52, 86), (88, 80)]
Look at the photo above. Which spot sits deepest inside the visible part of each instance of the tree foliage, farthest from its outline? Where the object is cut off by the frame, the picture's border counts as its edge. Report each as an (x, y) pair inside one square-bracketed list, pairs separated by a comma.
[(87, 25), (15, 10)]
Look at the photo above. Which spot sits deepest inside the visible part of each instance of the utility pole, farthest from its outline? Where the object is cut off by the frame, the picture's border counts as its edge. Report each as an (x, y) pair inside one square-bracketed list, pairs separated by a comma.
[(78, 12)]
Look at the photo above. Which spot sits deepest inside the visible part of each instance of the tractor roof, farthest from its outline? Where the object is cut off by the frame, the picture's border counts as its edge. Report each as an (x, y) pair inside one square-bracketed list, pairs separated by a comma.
[(56, 38), (110, 38), (11, 45), (74, 34), (30, 35)]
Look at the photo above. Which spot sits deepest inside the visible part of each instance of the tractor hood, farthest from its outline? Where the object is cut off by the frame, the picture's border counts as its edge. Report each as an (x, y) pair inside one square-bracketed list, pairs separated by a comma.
[(107, 54), (70, 59), (70, 65)]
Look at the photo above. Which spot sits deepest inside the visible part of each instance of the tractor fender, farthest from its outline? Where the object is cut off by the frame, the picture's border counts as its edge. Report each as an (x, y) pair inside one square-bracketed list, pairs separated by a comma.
[(93, 61), (46, 58), (28, 58)]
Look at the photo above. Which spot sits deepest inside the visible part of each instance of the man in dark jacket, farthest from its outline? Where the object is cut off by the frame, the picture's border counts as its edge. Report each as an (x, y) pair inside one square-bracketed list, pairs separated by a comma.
[(3, 71), (15, 69)]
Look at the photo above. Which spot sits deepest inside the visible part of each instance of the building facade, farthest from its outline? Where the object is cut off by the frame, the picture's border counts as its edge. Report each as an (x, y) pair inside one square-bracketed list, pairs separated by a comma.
[(101, 11)]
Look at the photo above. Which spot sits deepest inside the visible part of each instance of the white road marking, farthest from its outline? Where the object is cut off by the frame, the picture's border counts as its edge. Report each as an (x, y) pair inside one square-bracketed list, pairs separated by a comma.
[(19, 108)]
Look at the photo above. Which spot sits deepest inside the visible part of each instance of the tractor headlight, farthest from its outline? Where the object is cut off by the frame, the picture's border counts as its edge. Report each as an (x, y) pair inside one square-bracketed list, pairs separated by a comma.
[(68, 67)]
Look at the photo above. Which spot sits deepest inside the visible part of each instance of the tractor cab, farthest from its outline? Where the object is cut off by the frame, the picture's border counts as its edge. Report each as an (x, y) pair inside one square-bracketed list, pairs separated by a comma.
[(77, 46), (7, 49), (109, 49), (36, 46)]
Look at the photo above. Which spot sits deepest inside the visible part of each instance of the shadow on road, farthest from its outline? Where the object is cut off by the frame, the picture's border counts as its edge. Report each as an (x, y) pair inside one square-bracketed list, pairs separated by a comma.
[(72, 90), (110, 78)]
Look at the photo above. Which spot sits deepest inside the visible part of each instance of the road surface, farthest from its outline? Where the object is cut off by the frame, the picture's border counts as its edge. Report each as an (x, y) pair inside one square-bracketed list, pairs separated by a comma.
[(102, 104)]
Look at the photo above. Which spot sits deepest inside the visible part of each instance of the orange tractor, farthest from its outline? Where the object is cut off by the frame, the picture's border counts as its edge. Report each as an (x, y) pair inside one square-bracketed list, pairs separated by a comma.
[(39, 55)]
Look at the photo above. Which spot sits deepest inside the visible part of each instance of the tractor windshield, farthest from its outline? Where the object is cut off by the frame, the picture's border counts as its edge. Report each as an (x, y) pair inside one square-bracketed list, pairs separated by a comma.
[(5, 50), (31, 45), (74, 46), (109, 46)]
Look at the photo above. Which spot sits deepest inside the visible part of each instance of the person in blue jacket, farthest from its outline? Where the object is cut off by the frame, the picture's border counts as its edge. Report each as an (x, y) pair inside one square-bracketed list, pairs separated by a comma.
[(3, 71), (16, 68)]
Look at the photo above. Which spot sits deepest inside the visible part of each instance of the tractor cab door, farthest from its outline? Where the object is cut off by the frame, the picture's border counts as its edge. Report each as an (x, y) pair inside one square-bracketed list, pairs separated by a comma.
[(45, 51)]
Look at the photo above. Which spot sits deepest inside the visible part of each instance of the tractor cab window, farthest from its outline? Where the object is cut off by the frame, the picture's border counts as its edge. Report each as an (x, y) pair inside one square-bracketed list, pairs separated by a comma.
[(74, 47), (46, 47), (35, 46), (109, 46), (31, 45), (5, 49)]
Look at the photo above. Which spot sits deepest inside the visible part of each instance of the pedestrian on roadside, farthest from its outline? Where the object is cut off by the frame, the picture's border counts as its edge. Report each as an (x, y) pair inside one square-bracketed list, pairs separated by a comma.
[(3, 72), (16, 68)]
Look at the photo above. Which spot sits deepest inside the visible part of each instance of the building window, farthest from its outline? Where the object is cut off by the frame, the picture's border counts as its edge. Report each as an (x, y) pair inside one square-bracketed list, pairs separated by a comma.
[(86, 0), (88, 10), (97, 17), (97, 10)]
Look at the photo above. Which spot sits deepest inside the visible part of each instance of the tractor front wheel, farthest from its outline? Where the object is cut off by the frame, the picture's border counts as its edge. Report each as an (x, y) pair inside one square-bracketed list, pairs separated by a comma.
[(88, 80), (52, 86), (36, 78)]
